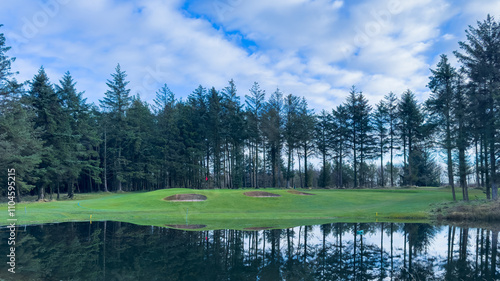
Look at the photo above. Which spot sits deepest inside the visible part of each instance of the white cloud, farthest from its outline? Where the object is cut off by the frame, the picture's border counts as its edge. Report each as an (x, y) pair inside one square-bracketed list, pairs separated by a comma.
[(315, 48)]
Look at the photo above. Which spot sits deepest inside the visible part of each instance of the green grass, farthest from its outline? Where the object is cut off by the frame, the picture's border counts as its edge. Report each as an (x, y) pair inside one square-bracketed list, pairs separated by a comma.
[(231, 209)]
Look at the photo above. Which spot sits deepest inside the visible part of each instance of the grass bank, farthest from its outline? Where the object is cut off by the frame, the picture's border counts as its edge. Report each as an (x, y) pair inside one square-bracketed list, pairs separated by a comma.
[(232, 209), (485, 211)]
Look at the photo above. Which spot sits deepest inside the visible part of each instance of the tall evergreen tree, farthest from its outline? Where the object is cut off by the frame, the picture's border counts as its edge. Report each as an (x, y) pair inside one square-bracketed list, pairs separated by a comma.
[(255, 106), (20, 145), (341, 140), (482, 64), (391, 103), (194, 120), (291, 134), (234, 134), (324, 134), (80, 140), (361, 140), (462, 115), (410, 126), (214, 127), (272, 129), (305, 127), (380, 121), (116, 103), (440, 104), (50, 120), (139, 147), (167, 131)]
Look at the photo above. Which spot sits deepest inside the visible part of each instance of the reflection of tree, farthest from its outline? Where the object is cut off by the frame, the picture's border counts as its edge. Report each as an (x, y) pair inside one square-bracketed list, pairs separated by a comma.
[(494, 246), (55, 250), (114, 251)]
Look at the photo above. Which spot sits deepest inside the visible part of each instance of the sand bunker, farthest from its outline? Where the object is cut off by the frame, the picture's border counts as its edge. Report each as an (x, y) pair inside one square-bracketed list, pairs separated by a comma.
[(261, 194), (299, 192), (186, 226), (186, 198)]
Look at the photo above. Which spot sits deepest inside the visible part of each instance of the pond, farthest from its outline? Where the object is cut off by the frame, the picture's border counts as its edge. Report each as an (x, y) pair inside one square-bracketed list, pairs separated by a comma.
[(339, 251)]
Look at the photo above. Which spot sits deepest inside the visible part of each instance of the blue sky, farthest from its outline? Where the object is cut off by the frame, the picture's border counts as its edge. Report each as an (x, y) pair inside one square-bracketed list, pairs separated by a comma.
[(312, 48)]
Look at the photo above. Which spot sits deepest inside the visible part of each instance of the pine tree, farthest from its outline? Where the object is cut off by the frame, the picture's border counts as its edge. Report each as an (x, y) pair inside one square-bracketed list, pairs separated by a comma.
[(49, 119), (462, 115), (272, 129), (440, 104), (139, 147), (361, 140), (81, 139), (214, 128), (305, 127), (380, 121), (116, 103), (234, 134), (391, 103), (410, 126), (340, 141), (20, 145), (482, 64), (194, 119), (324, 135), (254, 109), (167, 137), (291, 134)]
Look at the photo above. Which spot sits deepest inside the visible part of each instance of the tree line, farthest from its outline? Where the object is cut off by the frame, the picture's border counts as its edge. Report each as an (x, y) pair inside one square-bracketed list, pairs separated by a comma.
[(60, 143)]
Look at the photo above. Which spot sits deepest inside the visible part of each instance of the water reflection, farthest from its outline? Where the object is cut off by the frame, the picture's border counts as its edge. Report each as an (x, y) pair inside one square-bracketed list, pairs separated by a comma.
[(340, 251)]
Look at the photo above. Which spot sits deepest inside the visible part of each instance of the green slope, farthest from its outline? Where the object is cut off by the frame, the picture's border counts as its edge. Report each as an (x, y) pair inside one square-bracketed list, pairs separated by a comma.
[(231, 209)]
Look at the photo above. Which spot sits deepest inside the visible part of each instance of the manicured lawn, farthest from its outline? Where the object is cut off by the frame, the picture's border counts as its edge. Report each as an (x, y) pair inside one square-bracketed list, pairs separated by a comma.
[(231, 209)]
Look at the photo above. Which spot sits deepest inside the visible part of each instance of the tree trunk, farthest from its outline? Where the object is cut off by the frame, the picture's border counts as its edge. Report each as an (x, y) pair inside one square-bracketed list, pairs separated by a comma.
[(105, 162), (18, 195), (392, 147), (382, 180), (324, 170), (341, 184), (405, 162), (477, 164), (451, 180), (354, 164), (300, 177), (41, 192), (306, 178), (70, 190), (256, 164), (494, 246), (485, 148), (493, 177), (463, 173)]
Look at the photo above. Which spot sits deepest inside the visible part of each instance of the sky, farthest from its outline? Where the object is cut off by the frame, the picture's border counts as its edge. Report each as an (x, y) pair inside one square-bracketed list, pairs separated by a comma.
[(317, 49)]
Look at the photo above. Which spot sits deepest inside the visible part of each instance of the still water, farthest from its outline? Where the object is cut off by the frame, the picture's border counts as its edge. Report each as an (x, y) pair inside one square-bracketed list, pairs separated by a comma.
[(339, 251)]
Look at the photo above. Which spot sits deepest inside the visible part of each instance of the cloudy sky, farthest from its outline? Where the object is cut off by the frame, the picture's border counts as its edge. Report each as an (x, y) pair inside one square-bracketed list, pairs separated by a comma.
[(312, 48)]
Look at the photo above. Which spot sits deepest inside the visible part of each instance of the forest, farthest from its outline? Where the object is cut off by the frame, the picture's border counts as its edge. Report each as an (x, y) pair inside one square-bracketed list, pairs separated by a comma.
[(59, 143)]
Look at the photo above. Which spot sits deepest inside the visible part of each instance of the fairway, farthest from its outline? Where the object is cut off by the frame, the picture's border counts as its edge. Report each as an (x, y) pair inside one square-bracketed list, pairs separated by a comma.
[(231, 209)]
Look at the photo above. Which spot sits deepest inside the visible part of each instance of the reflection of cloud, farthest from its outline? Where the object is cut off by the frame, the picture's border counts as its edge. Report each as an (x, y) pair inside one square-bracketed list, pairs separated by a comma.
[(299, 46)]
